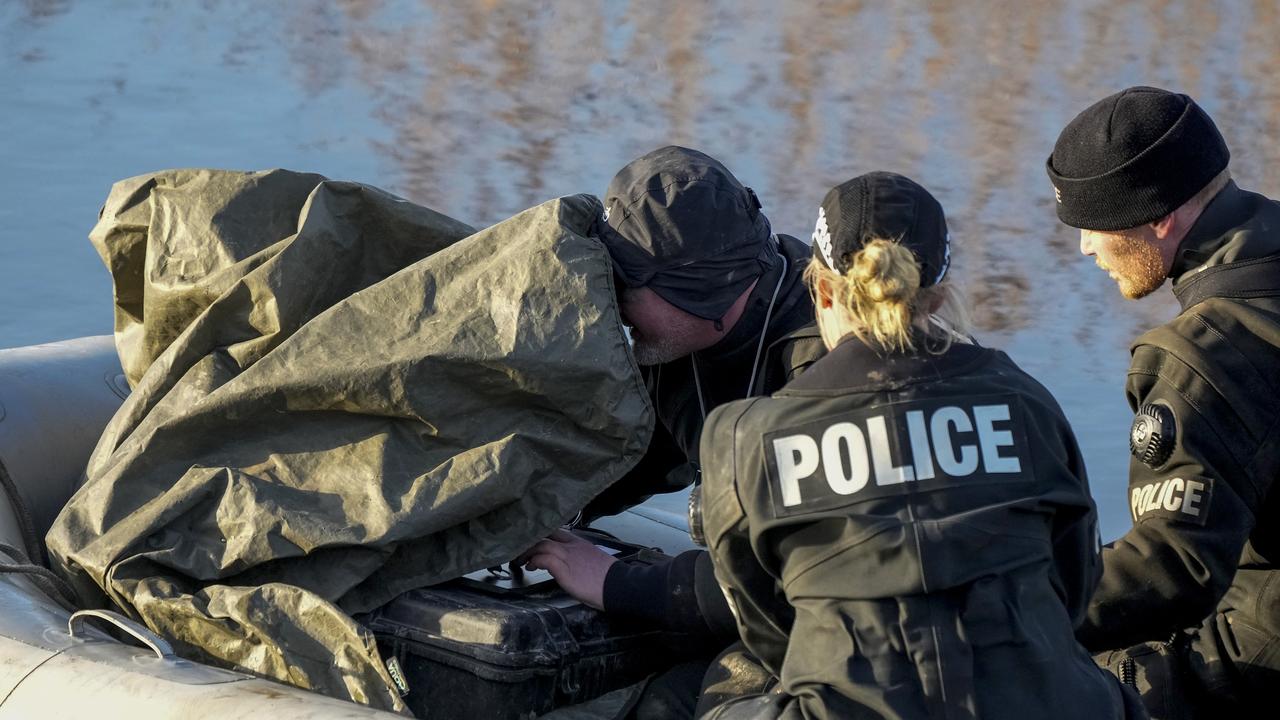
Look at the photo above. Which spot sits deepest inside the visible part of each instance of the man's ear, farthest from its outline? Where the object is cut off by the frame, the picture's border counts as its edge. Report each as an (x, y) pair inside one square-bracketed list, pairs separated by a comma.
[(1165, 226), (1172, 229)]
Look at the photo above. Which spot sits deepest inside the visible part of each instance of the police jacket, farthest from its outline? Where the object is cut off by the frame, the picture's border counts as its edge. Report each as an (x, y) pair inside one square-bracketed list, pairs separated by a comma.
[(682, 595), (1206, 514), (907, 536)]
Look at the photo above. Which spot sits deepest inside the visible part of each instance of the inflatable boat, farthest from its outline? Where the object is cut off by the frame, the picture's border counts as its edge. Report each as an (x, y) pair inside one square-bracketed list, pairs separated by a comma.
[(60, 661)]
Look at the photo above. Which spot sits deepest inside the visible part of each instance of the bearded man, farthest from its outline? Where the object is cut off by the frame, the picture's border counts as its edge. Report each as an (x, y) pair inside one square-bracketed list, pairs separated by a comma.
[(1188, 608), (717, 311)]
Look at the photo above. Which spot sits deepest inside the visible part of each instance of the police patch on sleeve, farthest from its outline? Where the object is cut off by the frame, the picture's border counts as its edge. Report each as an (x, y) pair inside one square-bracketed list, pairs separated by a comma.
[(896, 450), (1180, 499)]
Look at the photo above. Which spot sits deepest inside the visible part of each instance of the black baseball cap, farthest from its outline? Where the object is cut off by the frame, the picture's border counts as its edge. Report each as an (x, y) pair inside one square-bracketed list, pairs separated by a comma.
[(883, 205), (678, 222)]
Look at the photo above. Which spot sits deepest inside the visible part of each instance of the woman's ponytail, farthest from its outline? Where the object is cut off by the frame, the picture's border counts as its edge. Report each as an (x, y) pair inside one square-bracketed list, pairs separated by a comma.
[(881, 301), (880, 290)]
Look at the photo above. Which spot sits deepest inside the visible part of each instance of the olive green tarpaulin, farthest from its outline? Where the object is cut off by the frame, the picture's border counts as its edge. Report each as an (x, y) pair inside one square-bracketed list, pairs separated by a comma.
[(338, 396)]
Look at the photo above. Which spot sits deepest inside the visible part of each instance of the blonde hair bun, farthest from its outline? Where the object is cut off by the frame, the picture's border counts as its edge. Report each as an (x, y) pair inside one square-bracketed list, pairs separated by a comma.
[(879, 299), (884, 272)]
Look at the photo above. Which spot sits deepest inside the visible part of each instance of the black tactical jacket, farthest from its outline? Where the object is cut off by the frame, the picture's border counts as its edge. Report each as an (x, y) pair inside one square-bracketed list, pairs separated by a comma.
[(1206, 528), (682, 595), (724, 369), (907, 536)]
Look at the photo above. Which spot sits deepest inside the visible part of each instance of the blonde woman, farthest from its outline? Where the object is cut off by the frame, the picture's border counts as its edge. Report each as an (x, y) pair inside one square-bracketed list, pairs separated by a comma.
[(905, 530)]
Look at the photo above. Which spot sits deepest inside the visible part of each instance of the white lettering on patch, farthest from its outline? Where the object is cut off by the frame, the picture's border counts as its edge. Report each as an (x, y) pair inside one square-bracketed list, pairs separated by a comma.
[(869, 453), (944, 422), (797, 457), (992, 440), (845, 479), (886, 472), (1177, 498)]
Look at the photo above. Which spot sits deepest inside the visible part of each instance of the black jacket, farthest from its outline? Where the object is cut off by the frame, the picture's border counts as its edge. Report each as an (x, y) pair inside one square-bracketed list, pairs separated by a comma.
[(682, 595), (907, 536), (1206, 532)]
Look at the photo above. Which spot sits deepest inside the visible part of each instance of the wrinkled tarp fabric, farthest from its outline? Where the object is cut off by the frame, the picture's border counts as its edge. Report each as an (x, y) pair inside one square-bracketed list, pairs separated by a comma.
[(338, 396)]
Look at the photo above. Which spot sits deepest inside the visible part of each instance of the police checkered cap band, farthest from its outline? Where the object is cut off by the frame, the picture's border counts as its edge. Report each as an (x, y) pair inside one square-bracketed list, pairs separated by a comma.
[(946, 260), (822, 238)]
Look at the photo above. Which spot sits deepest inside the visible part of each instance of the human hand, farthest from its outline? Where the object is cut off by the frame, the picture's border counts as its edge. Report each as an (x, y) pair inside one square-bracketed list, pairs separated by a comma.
[(577, 564)]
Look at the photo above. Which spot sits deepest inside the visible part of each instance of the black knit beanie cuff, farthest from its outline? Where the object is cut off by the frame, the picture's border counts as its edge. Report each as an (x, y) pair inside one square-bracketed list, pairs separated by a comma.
[(1148, 186)]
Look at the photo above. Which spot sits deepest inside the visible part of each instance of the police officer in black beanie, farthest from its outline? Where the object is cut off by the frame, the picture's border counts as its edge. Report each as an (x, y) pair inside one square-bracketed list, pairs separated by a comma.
[(718, 311), (1189, 603), (905, 531)]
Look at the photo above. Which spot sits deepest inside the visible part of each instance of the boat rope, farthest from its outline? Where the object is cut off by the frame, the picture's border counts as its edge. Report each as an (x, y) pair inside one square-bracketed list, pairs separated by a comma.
[(57, 589), (26, 524)]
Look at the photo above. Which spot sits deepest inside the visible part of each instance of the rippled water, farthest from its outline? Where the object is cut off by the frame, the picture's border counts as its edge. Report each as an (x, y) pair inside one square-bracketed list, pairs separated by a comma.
[(483, 108)]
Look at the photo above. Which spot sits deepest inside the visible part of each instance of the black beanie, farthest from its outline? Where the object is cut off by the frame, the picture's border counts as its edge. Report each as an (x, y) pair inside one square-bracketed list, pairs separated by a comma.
[(1133, 158)]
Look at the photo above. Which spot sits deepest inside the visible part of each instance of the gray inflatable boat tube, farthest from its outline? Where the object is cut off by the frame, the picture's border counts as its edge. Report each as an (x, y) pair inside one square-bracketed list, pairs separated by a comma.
[(55, 400)]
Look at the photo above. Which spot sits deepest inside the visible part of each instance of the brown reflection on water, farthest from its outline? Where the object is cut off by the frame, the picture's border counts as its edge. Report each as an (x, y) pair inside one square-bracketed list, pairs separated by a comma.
[(994, 113), (39, 10), (681, 25), (34, 14), (479, 100), (481, 109), (321, 61)]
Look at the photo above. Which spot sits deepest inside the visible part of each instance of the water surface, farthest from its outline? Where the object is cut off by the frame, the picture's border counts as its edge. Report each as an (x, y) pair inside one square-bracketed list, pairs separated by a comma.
[(480, 109)]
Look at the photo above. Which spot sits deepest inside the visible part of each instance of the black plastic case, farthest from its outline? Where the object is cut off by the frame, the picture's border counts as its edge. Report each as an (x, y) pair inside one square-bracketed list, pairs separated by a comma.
[(475, 649)]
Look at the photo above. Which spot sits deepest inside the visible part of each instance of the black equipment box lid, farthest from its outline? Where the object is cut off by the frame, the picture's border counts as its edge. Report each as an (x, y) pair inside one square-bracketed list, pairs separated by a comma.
[(497, 645)]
